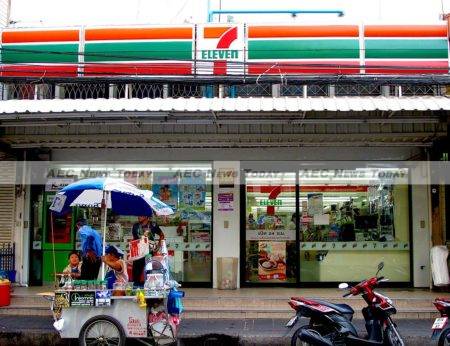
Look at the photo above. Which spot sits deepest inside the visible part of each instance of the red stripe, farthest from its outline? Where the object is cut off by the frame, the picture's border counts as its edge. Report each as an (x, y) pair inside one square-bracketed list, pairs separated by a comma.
[(220, 67), (406, 67), (298, 67), (38, 71), (139, 69), (276, 190), (227, 38)]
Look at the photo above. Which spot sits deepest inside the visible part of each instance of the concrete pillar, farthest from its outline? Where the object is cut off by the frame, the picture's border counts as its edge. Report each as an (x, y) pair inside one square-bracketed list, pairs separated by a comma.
[(331, 90), (226, 226), (385, 90), (421, 224), (276, 90)]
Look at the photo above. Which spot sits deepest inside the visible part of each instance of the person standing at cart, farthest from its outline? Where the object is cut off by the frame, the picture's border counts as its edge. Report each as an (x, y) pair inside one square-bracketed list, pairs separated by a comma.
[(148, 228), (91, 249)]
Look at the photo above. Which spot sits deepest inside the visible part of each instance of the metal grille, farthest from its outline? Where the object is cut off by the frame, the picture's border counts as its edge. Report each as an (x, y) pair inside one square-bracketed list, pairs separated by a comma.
[(27, 91), (152, 91), (23, 91), (7, 256), (317, 90), (84, 91), (185, 90), (416, 90), (358, 90), (291, 90), (253, 90)]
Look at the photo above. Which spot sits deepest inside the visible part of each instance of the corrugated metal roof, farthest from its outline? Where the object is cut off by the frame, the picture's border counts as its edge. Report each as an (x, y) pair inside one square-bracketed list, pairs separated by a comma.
[(242, 105)]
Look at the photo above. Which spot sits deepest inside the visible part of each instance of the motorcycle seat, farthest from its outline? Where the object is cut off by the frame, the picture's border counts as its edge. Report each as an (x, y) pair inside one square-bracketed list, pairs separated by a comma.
[(344, 309)]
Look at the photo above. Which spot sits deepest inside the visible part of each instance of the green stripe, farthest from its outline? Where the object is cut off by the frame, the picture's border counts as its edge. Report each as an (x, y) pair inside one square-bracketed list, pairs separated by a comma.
[(406, 49), (303, 49), (123, 51), (51, 53)]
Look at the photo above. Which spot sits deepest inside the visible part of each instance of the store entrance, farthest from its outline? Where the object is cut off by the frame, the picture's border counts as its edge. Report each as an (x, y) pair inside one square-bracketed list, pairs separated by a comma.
[(270, 229)]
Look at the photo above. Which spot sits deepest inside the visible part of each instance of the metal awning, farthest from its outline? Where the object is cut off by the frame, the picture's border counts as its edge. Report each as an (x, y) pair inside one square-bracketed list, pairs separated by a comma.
[(225, 105)]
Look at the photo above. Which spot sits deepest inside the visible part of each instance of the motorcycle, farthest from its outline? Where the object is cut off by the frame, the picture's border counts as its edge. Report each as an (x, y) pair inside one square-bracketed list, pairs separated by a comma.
[(331, 324), (441, 327)]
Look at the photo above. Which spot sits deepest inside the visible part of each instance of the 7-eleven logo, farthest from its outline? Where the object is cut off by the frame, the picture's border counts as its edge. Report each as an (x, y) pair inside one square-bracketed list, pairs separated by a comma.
[(219, 52)]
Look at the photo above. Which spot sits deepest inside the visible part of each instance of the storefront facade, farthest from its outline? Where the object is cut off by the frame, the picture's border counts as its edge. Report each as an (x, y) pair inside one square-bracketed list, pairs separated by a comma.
[(350, 218), (301, 99)]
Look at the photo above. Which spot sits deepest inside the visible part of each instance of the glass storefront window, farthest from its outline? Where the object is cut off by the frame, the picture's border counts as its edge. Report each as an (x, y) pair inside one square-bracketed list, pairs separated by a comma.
[(351, 221), (270, 237), (186, 188)]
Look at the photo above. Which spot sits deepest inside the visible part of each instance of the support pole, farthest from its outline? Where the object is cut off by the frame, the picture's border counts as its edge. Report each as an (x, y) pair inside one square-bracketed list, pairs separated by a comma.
[(104, 215)]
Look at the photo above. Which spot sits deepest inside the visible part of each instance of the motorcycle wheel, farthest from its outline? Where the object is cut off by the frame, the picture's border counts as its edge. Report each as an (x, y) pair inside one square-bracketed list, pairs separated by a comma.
[(444, 338), (392, 336), (295, 341)]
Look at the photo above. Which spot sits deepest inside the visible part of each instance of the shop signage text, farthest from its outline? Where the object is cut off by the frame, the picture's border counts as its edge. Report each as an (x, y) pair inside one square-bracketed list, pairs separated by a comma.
[(270, 202), (221, 54), (82, 299), (272, 235)]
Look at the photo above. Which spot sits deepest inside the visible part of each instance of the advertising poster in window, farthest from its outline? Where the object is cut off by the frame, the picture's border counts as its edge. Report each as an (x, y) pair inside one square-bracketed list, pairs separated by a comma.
[(226, 201), (165, 188), (315, 204), (272, 261), (193, 192)]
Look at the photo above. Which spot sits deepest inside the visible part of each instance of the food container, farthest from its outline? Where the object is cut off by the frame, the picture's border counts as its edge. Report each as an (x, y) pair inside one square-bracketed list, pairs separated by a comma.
[(129, 288), (118, 289), (155, 280)]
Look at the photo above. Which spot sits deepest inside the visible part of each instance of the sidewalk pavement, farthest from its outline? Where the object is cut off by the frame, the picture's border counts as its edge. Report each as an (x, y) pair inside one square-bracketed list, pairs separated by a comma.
[(38, 330)]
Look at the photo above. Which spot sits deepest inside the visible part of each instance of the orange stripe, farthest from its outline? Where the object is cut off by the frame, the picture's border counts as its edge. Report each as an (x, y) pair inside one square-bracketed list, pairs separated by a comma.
[(40, 36), (215, 31), (303, 31), (405, 31), (138, 33)]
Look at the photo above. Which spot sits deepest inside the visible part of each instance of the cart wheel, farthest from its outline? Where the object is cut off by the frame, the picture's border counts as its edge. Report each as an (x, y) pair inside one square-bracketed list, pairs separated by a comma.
[(102, 331)]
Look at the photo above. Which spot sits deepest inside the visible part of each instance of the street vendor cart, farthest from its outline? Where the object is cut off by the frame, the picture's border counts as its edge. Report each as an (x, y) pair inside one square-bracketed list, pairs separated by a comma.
[(96, 315)]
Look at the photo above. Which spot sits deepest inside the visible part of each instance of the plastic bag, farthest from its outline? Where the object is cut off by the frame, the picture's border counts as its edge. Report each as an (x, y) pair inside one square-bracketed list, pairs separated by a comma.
[(174, 302)]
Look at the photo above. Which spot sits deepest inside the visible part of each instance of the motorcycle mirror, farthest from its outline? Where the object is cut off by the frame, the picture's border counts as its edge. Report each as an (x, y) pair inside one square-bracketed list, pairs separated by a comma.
[(380, 267), (343, 286)]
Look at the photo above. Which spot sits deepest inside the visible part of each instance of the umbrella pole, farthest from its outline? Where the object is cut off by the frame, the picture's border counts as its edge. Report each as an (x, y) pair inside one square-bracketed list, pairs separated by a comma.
[(104, 210)]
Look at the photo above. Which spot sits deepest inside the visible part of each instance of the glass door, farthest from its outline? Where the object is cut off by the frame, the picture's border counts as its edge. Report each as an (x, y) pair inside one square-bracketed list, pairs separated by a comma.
[(270, 228)]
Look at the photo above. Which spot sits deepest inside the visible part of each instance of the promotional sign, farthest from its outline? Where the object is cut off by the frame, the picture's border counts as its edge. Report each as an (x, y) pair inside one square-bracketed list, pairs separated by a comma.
[(82, 299), (138, 248), (193, 192), (220, 49), (103, 298), (136, 327), (315, 204), (165, 188), (56, 184), (272, 261), (226, 201), (276, 235)]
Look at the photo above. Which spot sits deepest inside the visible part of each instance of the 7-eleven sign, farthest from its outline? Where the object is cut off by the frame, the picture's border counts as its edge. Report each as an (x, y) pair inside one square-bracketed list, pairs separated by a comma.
[(220, 49)]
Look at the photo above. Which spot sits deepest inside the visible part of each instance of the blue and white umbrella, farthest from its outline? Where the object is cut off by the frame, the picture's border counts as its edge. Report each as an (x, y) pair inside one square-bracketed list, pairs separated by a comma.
[(121, 197)]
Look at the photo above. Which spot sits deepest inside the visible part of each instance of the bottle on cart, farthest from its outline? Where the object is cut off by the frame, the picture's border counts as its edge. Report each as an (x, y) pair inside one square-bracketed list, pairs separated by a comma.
[(69, 284)]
